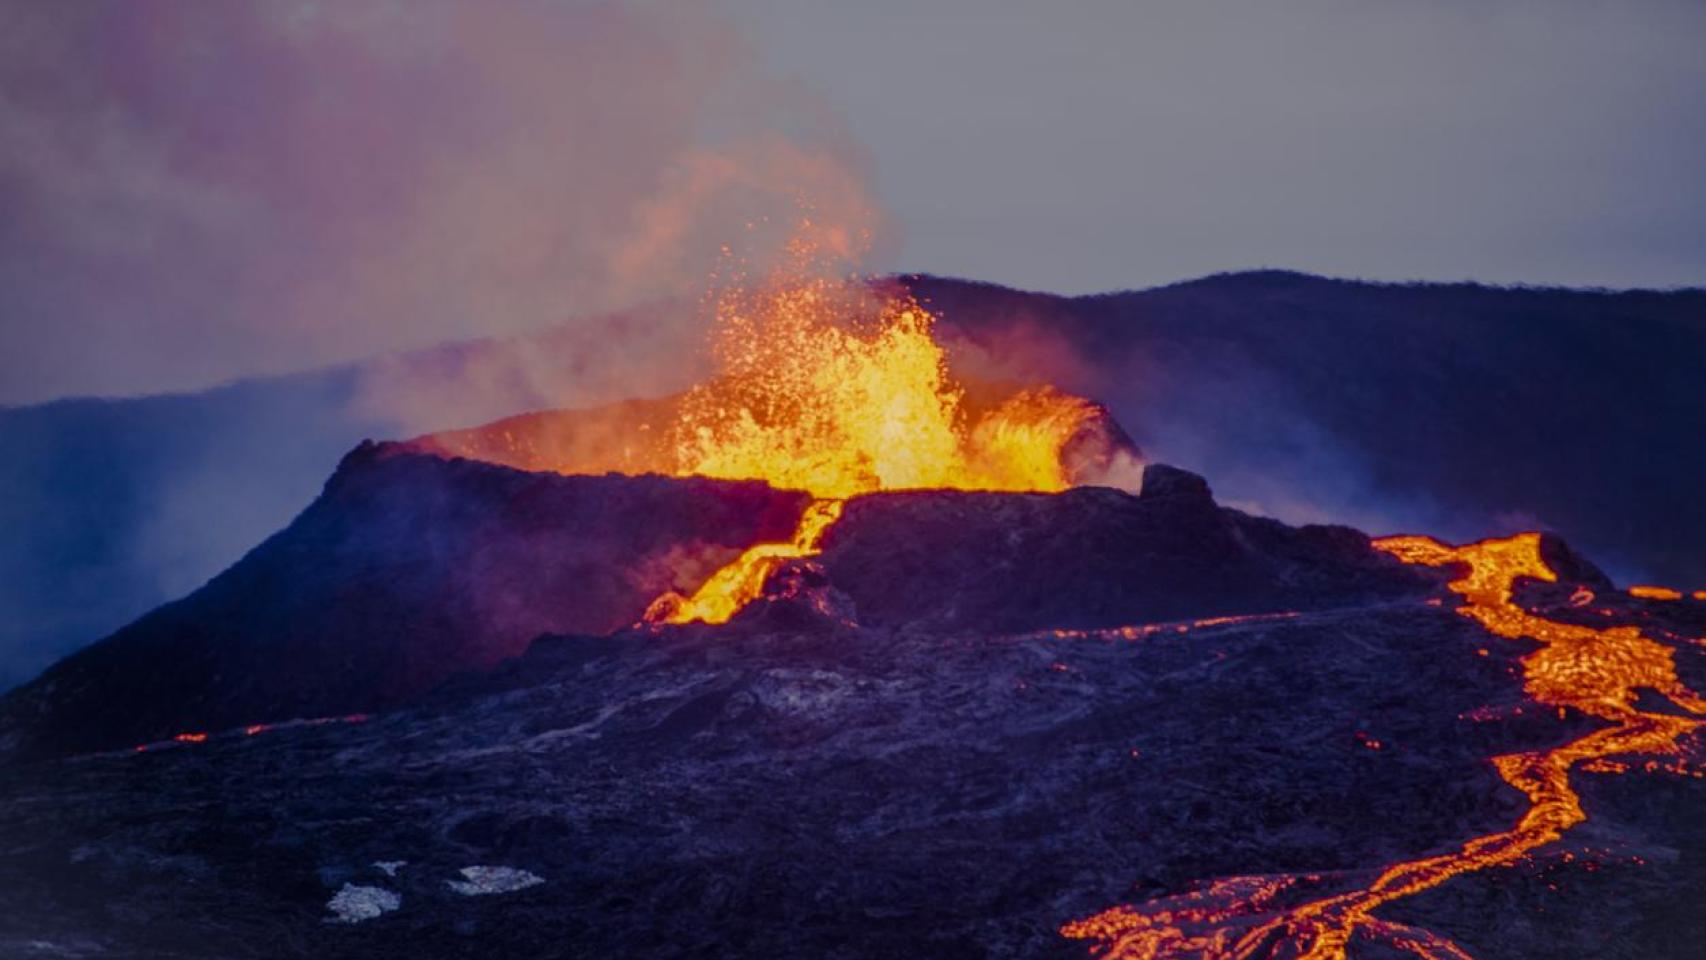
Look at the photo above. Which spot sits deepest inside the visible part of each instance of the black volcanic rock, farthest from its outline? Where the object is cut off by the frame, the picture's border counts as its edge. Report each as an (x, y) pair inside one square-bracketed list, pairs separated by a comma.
[(1092, 557), (727, 792), (411, 567), (1161, 481), (407, 569), (798, 597), (1570, 566), (880, 758)]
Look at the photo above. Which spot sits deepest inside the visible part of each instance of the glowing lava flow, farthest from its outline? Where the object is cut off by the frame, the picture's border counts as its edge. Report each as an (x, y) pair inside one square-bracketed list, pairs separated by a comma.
[(829, 387), (1595, 671), (739, 583)]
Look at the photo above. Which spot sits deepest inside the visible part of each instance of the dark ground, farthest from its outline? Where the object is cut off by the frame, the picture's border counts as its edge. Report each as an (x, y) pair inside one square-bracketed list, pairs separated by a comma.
[(835, 792)]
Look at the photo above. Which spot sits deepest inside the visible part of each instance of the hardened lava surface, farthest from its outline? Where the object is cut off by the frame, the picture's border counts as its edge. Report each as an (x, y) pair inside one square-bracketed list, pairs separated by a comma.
[(832, 791)]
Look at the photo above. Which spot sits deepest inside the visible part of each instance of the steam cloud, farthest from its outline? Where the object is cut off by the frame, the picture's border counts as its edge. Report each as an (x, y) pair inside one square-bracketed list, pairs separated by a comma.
[(195, 191), (192, 192)]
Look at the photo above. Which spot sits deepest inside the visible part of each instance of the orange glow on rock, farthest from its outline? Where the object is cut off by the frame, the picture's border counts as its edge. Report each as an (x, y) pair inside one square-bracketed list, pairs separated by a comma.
[(1594, 671), (1655, 593)]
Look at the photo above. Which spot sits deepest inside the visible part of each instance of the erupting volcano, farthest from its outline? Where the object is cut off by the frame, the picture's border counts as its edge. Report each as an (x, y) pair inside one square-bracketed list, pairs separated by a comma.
[(833, 388), (544, 479), (837, 605)]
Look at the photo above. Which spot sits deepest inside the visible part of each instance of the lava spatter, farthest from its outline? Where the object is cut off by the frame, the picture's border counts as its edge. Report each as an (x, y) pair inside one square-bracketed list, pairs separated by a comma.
[(833, 388), (1595, 671)]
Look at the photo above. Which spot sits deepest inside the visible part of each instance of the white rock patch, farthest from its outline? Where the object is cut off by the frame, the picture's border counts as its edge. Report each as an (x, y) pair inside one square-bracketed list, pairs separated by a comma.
[(354, 904), (483, 880), (390, 867)]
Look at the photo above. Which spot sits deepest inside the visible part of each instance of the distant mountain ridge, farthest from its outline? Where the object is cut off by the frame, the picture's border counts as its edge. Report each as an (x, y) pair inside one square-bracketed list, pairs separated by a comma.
[(1458, 409)]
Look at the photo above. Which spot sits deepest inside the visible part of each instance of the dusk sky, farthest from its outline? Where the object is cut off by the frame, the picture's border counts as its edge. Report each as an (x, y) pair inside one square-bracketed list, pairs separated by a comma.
[(199, 191), (1079, 147)]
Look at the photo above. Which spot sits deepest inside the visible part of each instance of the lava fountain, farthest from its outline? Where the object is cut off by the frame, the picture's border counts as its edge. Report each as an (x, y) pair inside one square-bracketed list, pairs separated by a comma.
[(839, 389)]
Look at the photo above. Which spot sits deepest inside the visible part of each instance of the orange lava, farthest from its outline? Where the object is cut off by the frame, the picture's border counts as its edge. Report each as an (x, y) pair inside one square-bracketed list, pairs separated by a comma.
[(1655, 593), (1140, 631), (740, 582), (251, 730), (1595, 671), (827, 386)]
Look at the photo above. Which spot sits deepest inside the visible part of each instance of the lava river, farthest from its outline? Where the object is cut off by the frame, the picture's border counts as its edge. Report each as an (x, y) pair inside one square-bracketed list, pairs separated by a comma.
[(1598, 672)]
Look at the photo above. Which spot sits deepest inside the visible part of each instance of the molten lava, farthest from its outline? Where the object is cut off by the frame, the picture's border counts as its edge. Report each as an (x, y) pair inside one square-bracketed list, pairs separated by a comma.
[(832, 388), (1595, 671), (741, 582), (829, 387)]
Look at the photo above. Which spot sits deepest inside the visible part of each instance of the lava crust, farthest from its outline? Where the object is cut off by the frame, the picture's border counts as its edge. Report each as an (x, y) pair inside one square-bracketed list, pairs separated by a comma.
[(728, 791)]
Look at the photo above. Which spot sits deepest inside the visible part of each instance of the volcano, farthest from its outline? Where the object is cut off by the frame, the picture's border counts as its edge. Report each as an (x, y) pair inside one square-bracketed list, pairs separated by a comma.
[(839, 655)]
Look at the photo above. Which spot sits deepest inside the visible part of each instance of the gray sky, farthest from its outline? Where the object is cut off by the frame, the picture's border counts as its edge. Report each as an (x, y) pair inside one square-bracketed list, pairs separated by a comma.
[(194, 191), (1076, 147)]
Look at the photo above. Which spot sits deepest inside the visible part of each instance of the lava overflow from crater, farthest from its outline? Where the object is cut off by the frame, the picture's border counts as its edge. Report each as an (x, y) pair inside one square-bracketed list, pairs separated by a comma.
[(835, 388), (1597, 671)]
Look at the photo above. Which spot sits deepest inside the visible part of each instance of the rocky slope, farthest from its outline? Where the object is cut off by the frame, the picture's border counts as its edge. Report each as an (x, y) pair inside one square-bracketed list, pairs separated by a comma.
[(407, 569), (411, 567), (1091, 557)]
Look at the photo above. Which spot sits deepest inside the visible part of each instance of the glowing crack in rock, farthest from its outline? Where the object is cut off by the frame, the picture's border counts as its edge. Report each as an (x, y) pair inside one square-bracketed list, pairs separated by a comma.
[(1596, 671), (252, 730), (353, 904), (482, 881)]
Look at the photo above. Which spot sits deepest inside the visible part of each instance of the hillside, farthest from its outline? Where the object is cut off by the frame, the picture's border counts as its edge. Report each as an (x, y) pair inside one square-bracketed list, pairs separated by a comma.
[(1455, 409)]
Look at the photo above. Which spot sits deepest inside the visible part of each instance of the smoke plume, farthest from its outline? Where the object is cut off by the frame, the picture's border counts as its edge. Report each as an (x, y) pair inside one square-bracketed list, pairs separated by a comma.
[(194, 191), (198, 191)]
